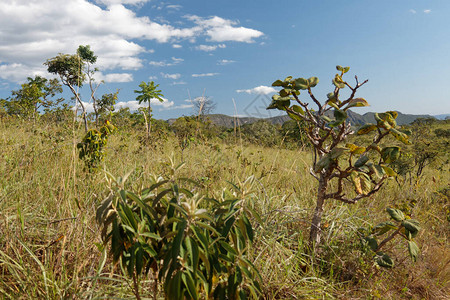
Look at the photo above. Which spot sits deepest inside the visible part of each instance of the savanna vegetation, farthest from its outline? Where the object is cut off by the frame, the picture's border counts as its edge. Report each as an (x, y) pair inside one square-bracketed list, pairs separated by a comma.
[(139, 208)]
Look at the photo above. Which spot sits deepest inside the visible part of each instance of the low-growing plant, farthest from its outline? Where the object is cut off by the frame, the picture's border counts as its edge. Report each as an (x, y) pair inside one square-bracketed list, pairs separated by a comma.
[(92, 146), (195, 246), (336, 164), (401, 225)]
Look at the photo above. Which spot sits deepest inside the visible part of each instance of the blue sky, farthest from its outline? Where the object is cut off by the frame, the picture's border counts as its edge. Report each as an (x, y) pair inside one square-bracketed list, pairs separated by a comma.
[(235, 49)]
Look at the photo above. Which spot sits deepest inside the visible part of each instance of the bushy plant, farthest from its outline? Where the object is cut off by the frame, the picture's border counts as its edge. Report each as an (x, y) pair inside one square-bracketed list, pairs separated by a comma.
[(92, 146), (195, 246)]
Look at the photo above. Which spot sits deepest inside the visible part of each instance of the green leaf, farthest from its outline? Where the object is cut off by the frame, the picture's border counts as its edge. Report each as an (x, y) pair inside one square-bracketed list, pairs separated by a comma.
[(285, 92), (361, 161), (338, 82), (298, 109), (402, 137), (384, 227), (383, 260), (372, 243), (301, 83), (278, 83), (357, 102), (390, 154), (413, 250), (389, 171), (413, 226), (396, 214), (288, 79), (366, 129), (339, 68), (323, 163), (313, 81), (340, 116), (189, 283), (354, 149)]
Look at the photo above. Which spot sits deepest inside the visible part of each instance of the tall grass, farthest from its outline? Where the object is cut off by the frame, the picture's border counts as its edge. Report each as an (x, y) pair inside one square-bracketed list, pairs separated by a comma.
[(50, 245)]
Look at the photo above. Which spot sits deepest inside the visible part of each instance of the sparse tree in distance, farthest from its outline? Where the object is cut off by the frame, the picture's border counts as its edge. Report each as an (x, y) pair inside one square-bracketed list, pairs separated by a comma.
[(73, 71), (203, 106), (147, 93)]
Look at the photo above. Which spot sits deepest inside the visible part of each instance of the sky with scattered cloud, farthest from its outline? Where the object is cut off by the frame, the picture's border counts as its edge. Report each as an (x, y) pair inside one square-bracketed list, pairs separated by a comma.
[(233, 51)]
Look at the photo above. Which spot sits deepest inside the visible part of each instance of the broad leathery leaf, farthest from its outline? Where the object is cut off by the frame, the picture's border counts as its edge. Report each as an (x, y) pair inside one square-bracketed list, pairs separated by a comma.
[(372, 243), (402, 137), (390, 154), (393, 114), (288, 79), (361, 181), (278, 83), (340, 116), (383, 260), (298, 109), (301, 83), (396, 214), (412, 225), (313, 81), (361, 161), (389, 171), (294, 116), (285, 92), (333, 104), (357, 102), (354, 149), (366, 129), (384, 227), (413, 250), (323, 163), (337, 152), (338, 82)]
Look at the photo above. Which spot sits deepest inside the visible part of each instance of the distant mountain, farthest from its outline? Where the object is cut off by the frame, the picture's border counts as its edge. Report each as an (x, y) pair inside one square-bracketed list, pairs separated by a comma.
[(442, 117), (355, 119)]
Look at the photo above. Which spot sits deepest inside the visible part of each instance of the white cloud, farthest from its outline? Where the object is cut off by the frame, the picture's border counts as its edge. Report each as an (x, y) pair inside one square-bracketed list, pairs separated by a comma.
[(262, 89), (153, 77), (208, 48), (225, 62), (205, 75), (427, 11), (171, 76), (134, 104), (175, 61), (114, 77), (413, 11), (33, 31), (174, 6), (179, 82), (221, 30), (183, 106), (177, 46)]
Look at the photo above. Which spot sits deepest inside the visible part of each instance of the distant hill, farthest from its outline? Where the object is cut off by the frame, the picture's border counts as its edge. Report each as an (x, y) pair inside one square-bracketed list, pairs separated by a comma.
[(355, 119), (442, 117)]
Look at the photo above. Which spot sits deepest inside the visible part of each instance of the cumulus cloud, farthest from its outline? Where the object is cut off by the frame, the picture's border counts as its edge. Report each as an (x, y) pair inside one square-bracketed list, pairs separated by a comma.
[(171, 76), (427, 11), (205, 75), (114, 77), (209, 48), (177, 46), (413, 11), (134, 105), (33, 31), (221, 30), (262, 89)]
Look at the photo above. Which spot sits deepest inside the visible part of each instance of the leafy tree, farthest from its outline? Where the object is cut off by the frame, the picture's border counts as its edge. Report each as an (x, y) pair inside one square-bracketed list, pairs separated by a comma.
[(36, 93), (147, 93), (106, 104), (337, 164), (73, 71)]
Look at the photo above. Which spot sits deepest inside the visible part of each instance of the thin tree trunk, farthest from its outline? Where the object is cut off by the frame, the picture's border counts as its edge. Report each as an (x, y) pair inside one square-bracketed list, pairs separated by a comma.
[(149, 128), (315, 231)]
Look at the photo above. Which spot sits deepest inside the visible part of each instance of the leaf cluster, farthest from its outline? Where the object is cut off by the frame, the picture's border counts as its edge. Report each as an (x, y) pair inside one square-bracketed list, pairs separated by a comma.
[(197, 247)]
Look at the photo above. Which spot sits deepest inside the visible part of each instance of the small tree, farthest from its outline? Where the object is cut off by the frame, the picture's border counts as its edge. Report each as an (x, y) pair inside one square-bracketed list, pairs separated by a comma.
[(147, 93), (203, 106), (73, 71), (36, 93), (106, 104), (336, 164)]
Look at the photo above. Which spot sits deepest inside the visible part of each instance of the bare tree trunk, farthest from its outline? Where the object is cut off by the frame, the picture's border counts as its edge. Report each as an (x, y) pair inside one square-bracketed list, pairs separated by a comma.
[(77, 97), (149, 128), (315, 231)]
